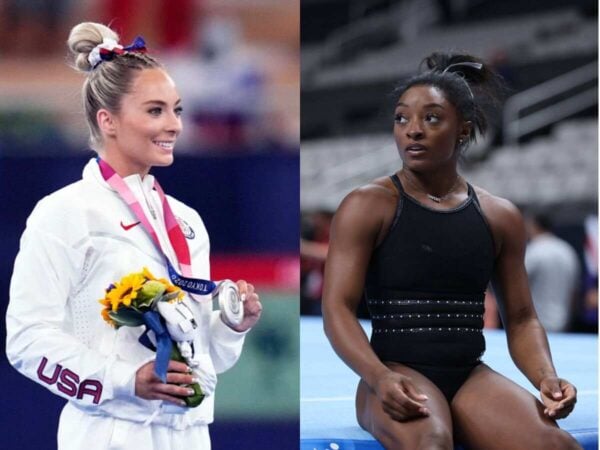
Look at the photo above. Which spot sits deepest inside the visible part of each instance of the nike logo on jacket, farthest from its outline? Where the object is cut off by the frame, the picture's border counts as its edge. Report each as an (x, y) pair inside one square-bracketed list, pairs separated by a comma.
[(130, 226)]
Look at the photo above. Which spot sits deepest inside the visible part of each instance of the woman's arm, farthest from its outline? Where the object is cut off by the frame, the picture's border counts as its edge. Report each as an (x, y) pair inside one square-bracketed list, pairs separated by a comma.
[(356, 229), (41, 340), (37, 344), (527, 340)]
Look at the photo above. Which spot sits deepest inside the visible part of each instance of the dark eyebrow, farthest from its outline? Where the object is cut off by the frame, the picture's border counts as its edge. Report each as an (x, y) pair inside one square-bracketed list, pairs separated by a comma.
[(428, 105), (160, 102)]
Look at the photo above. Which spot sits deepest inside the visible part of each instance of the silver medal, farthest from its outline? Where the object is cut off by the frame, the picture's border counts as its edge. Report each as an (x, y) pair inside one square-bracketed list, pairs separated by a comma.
[(230, 302)]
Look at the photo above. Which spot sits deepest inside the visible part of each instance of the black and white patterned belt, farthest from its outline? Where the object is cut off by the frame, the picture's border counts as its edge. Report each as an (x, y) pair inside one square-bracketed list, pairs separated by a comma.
[(406, 315)]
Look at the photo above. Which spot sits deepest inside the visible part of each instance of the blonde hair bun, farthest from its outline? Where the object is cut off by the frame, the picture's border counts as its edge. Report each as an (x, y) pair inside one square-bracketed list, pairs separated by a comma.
[(105, 85), (83, 38)]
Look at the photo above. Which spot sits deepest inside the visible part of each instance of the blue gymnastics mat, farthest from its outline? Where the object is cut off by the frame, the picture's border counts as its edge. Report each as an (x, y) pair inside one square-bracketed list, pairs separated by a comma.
[(327, 420)]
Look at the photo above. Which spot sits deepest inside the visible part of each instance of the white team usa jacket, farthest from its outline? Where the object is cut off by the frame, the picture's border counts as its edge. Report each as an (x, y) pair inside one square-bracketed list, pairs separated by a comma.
[(77, 242)]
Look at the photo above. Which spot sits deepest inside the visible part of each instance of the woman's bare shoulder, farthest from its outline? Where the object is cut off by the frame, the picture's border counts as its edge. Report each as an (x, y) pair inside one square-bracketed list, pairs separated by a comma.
[(504, 217), (367, 210), (378, 194), (497, 207)]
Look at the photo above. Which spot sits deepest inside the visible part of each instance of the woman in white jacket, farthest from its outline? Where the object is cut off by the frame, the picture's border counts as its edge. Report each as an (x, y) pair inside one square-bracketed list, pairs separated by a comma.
[(91, 233)]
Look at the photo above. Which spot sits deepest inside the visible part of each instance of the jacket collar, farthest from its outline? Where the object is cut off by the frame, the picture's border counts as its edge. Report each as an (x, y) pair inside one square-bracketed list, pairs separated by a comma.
[(91, 171)]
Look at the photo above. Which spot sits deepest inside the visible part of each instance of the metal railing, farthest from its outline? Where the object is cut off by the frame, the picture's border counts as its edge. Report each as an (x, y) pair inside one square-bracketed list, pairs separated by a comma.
[(577, 81)]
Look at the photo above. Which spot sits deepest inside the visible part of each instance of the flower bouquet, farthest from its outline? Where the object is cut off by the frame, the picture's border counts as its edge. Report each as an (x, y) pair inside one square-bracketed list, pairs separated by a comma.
[(141, 299)]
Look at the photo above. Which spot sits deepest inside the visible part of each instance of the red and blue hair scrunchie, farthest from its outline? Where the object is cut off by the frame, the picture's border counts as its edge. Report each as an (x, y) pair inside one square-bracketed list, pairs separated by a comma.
[(109, 48)]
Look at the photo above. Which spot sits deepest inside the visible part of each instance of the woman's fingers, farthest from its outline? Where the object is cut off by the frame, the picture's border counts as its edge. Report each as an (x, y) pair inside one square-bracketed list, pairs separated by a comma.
[(412, 391), (401, 399), (252, 306), (567, 404), (550, 387), (404, 410), (178, 366), (174, 390), (569, 392), (150, 387), (559, 397), (180, 378), (560, 413), (245, 289)]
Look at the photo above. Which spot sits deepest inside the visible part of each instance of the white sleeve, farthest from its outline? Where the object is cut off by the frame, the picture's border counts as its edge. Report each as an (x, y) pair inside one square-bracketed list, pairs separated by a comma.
[(225, 343), (38, 343)]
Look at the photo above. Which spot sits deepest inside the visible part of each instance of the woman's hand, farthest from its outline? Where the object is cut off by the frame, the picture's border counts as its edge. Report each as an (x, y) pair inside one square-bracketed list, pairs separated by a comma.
[(150, 387), (559, 396), (400, 399), (252, 306)]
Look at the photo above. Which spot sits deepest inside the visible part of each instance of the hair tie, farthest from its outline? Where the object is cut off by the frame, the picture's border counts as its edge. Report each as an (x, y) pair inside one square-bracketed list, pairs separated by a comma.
[(109, 48), (138, 45), (474, 65)]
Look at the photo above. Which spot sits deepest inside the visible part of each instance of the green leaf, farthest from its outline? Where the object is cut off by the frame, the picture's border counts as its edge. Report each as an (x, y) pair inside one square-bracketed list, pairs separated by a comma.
[(145, 302), (151, 290), (125, 317), (171, 296), (176, 354), (194, 400)]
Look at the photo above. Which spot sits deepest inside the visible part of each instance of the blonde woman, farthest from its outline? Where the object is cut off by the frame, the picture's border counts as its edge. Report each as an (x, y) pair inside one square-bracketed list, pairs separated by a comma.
[(85, 236)]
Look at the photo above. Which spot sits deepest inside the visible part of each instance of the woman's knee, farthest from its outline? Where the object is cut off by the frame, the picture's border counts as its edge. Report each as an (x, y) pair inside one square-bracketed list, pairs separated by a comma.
[(437, 437), (361, 405), (557, 439)]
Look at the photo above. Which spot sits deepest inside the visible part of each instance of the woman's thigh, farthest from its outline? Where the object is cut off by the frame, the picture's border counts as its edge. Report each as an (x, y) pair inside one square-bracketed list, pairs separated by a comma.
[(432, 432), (491, 412)]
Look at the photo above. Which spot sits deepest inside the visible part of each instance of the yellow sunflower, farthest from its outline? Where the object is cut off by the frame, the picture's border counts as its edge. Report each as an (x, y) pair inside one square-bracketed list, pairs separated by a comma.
[(107, 307), (148, 275), (125, 291), (106, 317)]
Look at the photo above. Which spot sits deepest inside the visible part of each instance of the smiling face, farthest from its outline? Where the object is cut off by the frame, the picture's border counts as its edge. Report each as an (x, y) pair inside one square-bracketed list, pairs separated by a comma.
[(143, 132), (427, 128)]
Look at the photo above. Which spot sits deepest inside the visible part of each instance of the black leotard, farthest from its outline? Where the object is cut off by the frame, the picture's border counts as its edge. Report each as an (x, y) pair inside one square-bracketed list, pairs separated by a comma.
[(425, 289)]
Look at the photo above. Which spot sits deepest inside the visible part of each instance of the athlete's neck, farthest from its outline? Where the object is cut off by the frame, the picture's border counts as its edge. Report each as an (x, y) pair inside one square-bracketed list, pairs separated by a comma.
[(124, 166), (431, 182)]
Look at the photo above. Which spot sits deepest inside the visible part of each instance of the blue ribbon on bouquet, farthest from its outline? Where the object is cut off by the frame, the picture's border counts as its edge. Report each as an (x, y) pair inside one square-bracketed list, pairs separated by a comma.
[(193, 285), (164, 343)]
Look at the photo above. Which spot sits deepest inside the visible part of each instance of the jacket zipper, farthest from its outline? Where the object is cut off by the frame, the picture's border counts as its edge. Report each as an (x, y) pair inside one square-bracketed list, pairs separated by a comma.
[(159, 229), (150, 208)]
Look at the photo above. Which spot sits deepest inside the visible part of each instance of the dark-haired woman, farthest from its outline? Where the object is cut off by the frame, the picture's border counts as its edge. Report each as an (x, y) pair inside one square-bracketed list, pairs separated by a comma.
[(423, 245)]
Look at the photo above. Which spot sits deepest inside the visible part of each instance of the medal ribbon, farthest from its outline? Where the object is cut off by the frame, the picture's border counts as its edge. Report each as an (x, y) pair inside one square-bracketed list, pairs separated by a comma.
[(164, 343), (176, 237), (152, 319)]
